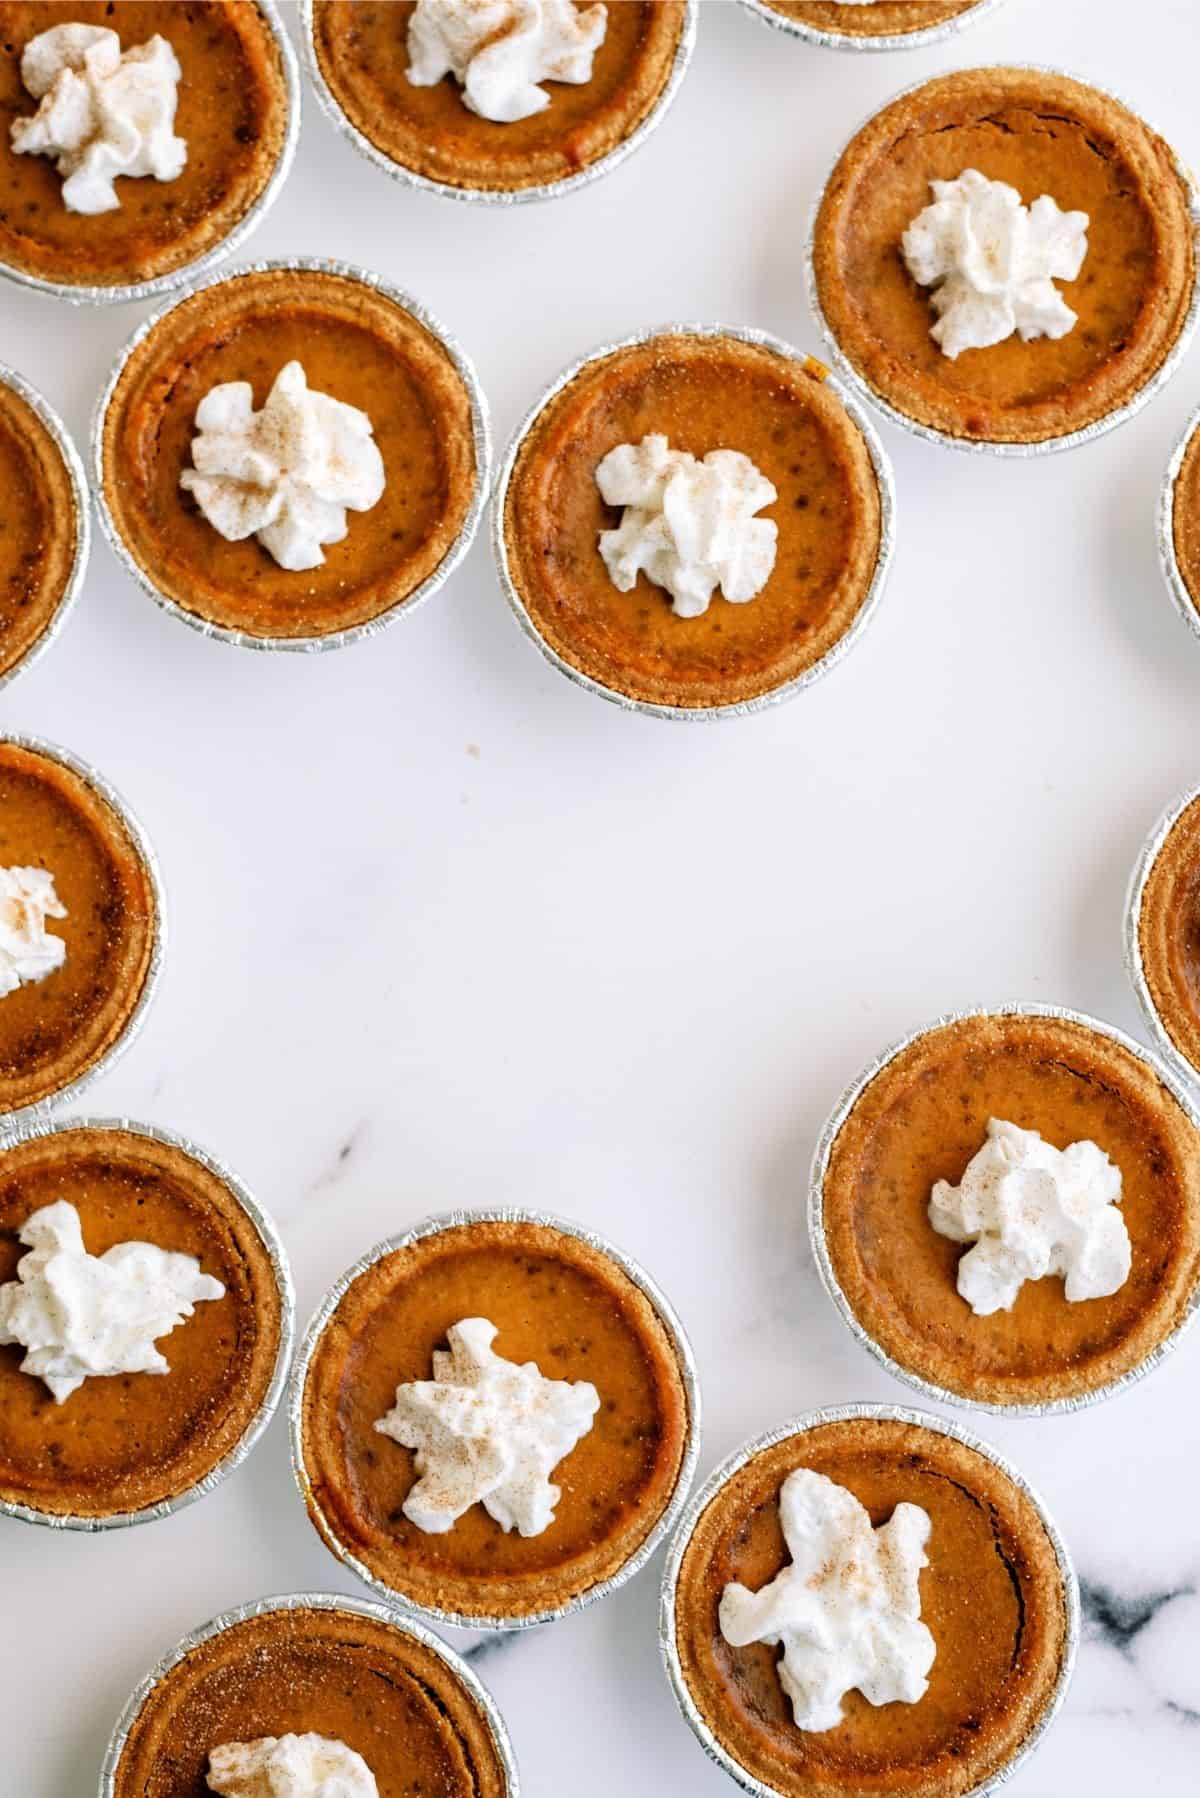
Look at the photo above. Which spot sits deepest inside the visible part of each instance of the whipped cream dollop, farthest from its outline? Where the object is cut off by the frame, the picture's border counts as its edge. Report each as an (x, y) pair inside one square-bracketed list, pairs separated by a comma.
[(27, 950), (1032, 1210), (688, 525), (286, 475), (79, 1315), (499, 50), (487, 1431), (992, 262), (290, 1767), (847, 1611), (103, 113)]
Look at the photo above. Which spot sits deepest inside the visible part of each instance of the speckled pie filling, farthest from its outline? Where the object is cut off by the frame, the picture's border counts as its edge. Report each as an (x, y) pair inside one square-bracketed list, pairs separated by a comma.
[(921, 1118), (39, 528), (1168, 928), (126, 1442), (56, 1030), (1042, 134), (334, 1673), (993, 1597), (356, 345), (361, 48), (888, 18), (702, 393), (232, 112), (556, 1301)]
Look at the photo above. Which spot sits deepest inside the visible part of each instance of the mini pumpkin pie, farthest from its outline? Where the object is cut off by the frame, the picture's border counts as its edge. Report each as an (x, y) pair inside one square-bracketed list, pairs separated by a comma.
[(80, 924), (313, 1667), (145, 1323), (436, 98), (43, 523), (291, 454), (1164, 932), (693, 521), (1179, 534), (1087, 210), (976, 1592), (224, 67), (845, 24), (1006, 1210), (494, 1420)]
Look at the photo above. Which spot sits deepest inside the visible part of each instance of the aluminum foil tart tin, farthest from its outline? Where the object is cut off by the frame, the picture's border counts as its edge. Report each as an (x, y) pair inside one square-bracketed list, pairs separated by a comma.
[(820, 1247), (29, 1114), (246, 225), (981, 446), (798, 1426), (480, 427), (1177, 587), (312, 1601), (83, 516), (897, 40), (498, 196), (880, 462), (273, 1244), (1134, 966), (434, 1226)]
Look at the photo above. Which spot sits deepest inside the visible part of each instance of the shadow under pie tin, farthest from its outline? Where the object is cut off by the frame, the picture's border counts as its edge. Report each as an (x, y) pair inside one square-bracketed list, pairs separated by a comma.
[(28, 1114), (498, 196), (472, 1686), (1135, 966), (885, 484), (688, 1378), (820, 1247), (1168, 555), (1153, 385), (267, 1234), (924, 38), (157, 285), (480, 438), (797, 1426), (57, 431)]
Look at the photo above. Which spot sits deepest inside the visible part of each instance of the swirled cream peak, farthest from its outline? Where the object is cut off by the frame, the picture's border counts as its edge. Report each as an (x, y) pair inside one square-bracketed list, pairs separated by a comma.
[(992, 263), (102, 113), (286, 475), (27, 950), (847, 1611), (688, 525), (1031, 1210), (79, 1315), (289, 1767), (487, 1431), (499, 50)]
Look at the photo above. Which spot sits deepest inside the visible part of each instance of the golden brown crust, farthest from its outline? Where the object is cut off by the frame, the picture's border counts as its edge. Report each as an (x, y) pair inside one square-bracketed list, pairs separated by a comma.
[(127, 1442), (359, 346), (54, 1031), (1041, 133), (703, 393), (1169, 933), (232, 111), (347, 1677), (1185, 518), (556, 1301), (992, 1596), (922, 1118), (39, 538), (889, 18), (361, 49)]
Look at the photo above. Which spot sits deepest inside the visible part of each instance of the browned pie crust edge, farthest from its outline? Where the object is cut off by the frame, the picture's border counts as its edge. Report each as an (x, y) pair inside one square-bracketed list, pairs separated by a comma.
[(889, 18), (58, 548), (1170, 901)]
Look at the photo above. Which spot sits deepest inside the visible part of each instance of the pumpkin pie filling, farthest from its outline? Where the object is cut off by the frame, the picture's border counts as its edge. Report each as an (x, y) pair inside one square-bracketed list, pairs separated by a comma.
[(888, 18), (555, 1301), (703, 393), (333, 1673), (39, 528), (1185, 520), (361, 49), (992, 1596), (922, 1118), (127, 1442), (55, 1030), (1169, 933), (232, 111), (1041, 134), (358, 346)]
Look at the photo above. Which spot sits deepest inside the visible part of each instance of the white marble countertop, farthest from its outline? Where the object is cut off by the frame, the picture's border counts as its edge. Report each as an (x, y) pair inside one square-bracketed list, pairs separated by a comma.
[(447, 931)]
